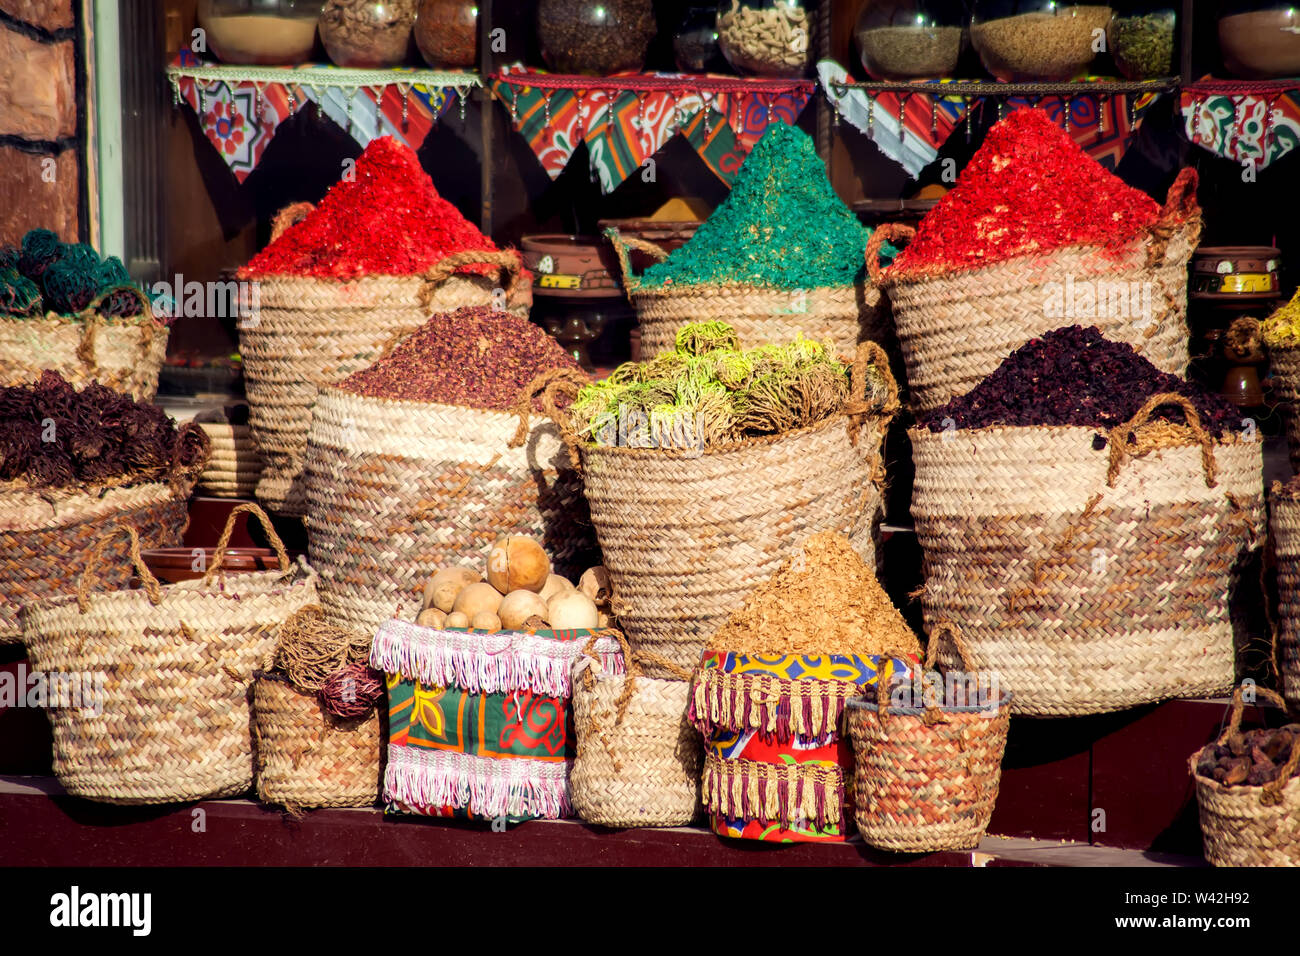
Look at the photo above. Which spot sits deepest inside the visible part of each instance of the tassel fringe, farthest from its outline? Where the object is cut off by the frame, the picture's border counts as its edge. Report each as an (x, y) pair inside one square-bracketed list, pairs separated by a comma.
[(804, 795), (489, 788), (773, 706)]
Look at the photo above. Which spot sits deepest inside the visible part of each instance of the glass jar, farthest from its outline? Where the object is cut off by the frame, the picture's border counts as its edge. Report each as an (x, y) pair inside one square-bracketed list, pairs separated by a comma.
[(368, 34), (446, 31), (268, 32), (1260, 40), (695, 44), (595, 36), (766, 37), (1142, 38), (1037, 40), (910, 39)]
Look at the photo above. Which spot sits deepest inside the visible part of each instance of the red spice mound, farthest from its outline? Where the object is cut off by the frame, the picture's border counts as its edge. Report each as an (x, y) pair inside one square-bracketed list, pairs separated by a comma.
[(1029, 188), (388, 219), (474, 358)]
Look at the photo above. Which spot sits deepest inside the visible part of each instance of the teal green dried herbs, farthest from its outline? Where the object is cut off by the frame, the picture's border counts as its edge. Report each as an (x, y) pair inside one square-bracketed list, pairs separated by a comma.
[(708, 392), (46, 275), (781, 227)]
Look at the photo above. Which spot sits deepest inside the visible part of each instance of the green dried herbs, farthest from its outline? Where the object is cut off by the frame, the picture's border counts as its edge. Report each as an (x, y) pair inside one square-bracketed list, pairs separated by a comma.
[(781, 227), (1143, 47), (709, 392), (46, 275)]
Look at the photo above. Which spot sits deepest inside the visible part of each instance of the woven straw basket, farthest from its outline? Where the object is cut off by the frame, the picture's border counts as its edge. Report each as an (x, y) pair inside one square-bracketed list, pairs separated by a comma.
[(46, 536), (1285, 525), (1284, 361), (686, 535), (399, 489), (308, 758), (1250, 826), (1089, 581), (309, 332), (956, 328), (638, 760), (926, 778), (123, 354), (173, 664), (234, 466), (846, 315)]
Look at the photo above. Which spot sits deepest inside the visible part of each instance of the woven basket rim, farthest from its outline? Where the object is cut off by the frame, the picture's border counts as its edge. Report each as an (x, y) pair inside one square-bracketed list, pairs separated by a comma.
[(1062, 431), (269, 277), (409, 404), (110, 322), (1291, 789), (743, 288), (867, 703), (889, 278)]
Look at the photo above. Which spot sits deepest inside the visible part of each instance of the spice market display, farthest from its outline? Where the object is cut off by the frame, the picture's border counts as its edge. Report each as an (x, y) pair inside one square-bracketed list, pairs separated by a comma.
[(882, 520)]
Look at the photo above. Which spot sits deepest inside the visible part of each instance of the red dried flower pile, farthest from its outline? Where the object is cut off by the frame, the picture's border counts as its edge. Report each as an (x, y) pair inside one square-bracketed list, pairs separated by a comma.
[(385, 218), (1030, 188)]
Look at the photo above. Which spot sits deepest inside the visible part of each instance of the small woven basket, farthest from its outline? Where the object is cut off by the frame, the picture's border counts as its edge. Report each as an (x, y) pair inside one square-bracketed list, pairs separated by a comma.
[(957, 327), (308, 332), (1285, 525), (926, 776), (638, 761), (1284, 363), (171, 669), (234, 466), (1091, 581), (307, 757), (124, 354), (686, 535), (1250, 826), (847, 315)]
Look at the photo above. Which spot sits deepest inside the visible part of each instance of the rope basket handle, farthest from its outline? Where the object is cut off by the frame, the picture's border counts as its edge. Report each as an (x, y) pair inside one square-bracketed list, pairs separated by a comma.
[(1120, 434), (1180, 207), (896, 232), (219, 555), (183, 476), (871, 353), (1272, 791), (146, 304), (949, 630), (290, 216), (150, 583), (622, 244), (551, 386), (508, 261)]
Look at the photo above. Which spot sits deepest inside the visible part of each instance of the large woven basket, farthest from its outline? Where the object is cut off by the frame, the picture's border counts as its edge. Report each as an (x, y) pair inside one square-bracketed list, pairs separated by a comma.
[(46, 536), (1090, 581), (309, 332), (399, 489), (847, 315), (1250, 826), (686, 535), (926, 773), (171, 669), (234, 466), (307, 757), (123, 354), (957, 327), (638, 760), (1284, 362), (1284, 523)]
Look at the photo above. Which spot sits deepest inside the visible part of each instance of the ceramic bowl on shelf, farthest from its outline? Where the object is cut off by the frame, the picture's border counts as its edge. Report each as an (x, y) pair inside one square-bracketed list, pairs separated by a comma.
[(260, 32), (1260, 40)]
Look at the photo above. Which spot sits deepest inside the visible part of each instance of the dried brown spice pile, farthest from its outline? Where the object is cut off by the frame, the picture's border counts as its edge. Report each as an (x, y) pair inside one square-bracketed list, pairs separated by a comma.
[(824, 601), (52, 436), (474, 358), (1253, 758)]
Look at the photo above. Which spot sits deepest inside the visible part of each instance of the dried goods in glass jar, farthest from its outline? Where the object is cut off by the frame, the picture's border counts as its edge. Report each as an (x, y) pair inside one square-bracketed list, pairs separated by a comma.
[(367, 34), (446, 31), (595, 36), (766, 37), (1051, 42)]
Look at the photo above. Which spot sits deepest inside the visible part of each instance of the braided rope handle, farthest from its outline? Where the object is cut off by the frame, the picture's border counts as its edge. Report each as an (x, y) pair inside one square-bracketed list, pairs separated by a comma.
[(1119, 436), (182, 476), (88, 577), (219, 556), (552, 386), (1180, 209), (508, 261), (290, 216), (1272, 792), (871, 353), (622, 244), (895, 232)]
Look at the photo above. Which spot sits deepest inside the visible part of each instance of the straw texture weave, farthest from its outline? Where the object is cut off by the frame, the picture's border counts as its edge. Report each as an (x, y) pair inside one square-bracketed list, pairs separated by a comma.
[(400, 489), (176, 663), (638, 761), (1084, 597), (46, 539), (1285, 522), (308, 758), (234, 465), (123, 354), (956, 328), (1243, 825), (846, 315), (312, 332), (1285, 365)]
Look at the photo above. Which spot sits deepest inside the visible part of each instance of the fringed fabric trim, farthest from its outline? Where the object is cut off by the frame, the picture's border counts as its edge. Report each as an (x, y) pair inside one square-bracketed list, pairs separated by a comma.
[(491, 788), (791, 794), (808, 708), (478, 662)]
